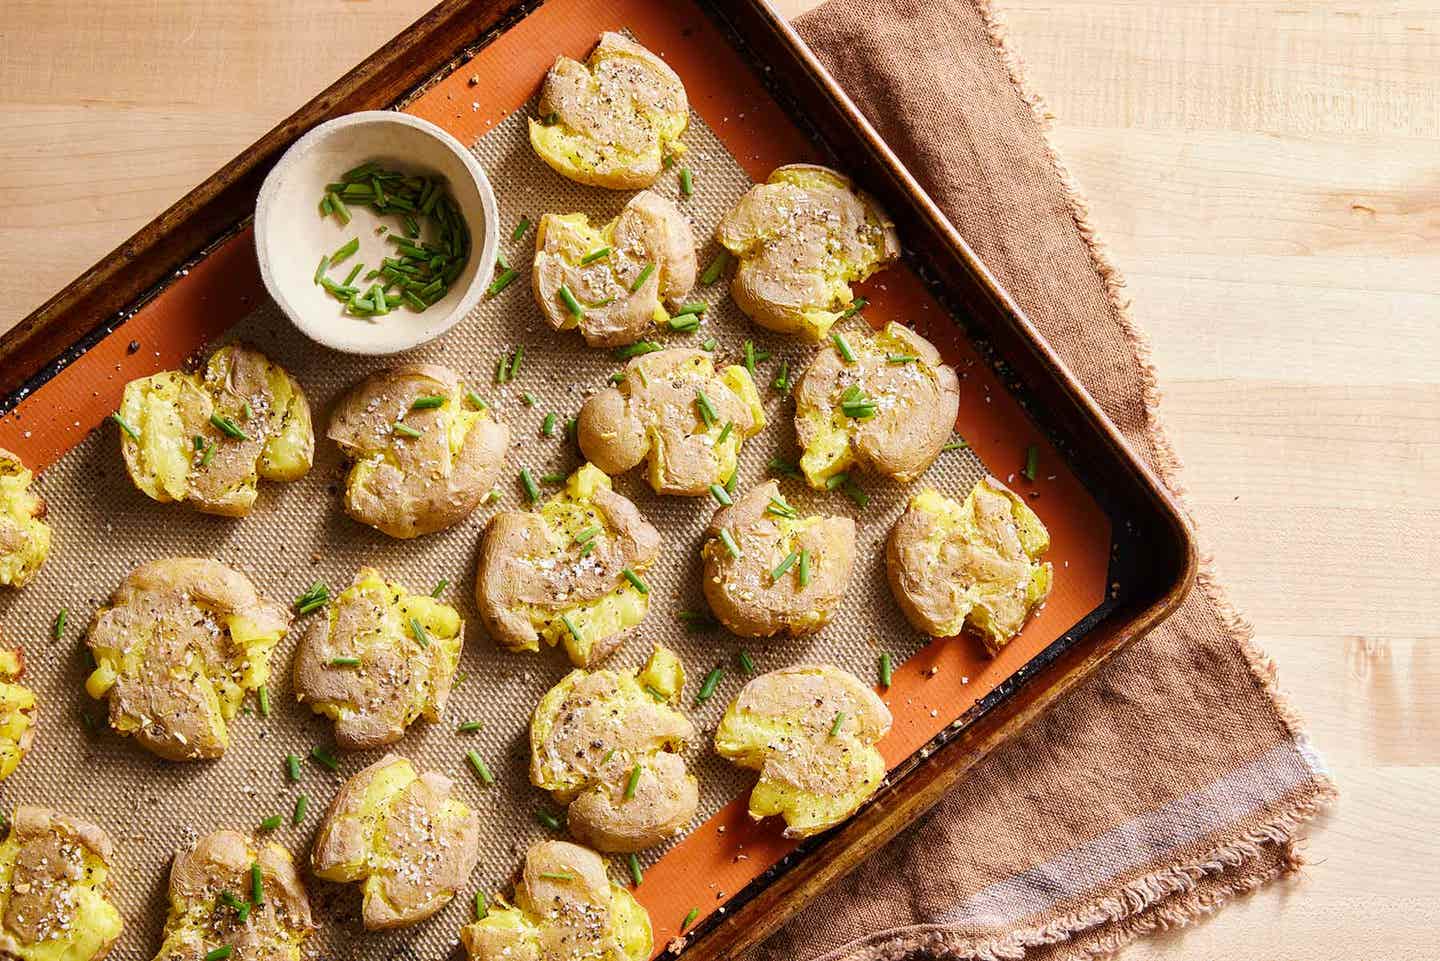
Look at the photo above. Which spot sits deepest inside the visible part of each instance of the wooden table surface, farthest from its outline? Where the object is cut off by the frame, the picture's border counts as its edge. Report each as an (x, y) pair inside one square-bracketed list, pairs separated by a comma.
[(1267, 175)]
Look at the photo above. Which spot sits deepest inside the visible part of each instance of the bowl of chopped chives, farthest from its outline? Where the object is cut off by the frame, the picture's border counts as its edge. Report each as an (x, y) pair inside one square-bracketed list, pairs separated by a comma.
[(376, 232)]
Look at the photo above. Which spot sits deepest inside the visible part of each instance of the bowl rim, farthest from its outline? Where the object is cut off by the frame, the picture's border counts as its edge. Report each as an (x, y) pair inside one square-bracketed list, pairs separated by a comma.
[(489, 248)]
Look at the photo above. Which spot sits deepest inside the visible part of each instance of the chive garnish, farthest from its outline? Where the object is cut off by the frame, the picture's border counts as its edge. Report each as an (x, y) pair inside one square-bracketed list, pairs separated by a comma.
[(552, 478), (707, 411), (530, 399), (571, 304), (641, 277), (405, 430), (482, 906), (956, 445), (443, 583), (632, 782), (257, 885), (687, 182), (709, 343), (608, 755), (60, 623), (731, 547), (782, 379), (520, 229), (417, 630), (324, 758), (271, 823), (595, 255), (778, 466), (839, 720), (712, 681), (691, 916), (344, 662), (901, 358), (732, 483), (724, 432), (548, 819), (684, 323), (695, 307), (301, 804), (557, 875), (781, 507), (219, 954), (856, 405), (345, 251), (337, 206), (852, 490), (469, 727), (802, 571), (315, 597), (320, 268), (475, 400), (696, 620), (208, 456), (501, 282), (746, 664), (1032, 462), (547, 426), (716, 268), (428, 402), (515, 359), (843, 346), (635, 580), (785, 565), (636, 875), (570, 626), (481, 770), (834, 481), (721, 498), (587, 534), (262, 698), (354, 272), (228, 427), (532, 490), (886, 669), (636, 349), (292, 767), (856, 305)]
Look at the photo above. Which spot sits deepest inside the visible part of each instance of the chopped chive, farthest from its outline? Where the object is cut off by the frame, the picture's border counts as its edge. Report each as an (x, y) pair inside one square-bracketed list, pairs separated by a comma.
[(345, 251), (724, 432), (60, 619), (712, 680), (956, 445), (418, 631), (709, 343), (746, 664), (515, 359), (887, 669), (501, 282), (716, 268), (315, 597), (411, 299), (570, 626), (617, 378), (641, 277), (856, 305), (557, 875), (475, 400), (547, 426), (587, 534), (721, 497), (843, 346), (635, 580), (731, 547), (1032, 462), (292, 767), (636, 349), (271, 823), (552, 478), (696, 620), (571, 304), (324, 758), (695, 307), (608, 755), (529, 399), (571, 426), (834, 481), (301, 804), (632, 782), (257, 885), (197, 442), (228, 899), (595, 255), (428, 402), (344, 662), (481, 770), (247, 411), (636, 875), (354, 272), (443, 583), (691, 916), (228, 427), (687, 182), (338, 207), (901, 358), (839, 720), (732, 483), (707, 411), (262, 697), (320, 268), (405, 430), (750, 357), (219, 954), (684, 323), (501, 262), (781, 508), (853, 491), (785, 565), (782, 379), (482, 906), (520, 229), (548, 819), (208, 456), (469, 727), (778, 466), (802, 572)]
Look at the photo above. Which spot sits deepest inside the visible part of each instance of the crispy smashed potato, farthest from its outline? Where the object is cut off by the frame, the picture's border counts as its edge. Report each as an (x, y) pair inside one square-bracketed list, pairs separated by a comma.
[(24, 537), (657, 412), (424, 451), (378, 658), (17, 711), (891, 410), (975, 565), (209, 437), (614, 120), (811, 731), (54, 877), (779, 572), (606, 743), (621, 275), (213, 904), (558, 574), (801, 238), (404, 835), (565, 908), (176, 649)]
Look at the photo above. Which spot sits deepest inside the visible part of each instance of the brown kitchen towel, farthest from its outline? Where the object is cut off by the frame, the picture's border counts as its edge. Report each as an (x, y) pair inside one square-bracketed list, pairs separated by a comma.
[(1176, 778)]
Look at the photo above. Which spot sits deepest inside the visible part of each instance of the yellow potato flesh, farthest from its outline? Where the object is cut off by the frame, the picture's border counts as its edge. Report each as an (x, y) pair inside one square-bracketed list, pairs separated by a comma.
[(727, 453), (580, 158), (514, 934), (18, 504), (94, 922), (17, 709), (567, 514), (663, 673), (151, 406)]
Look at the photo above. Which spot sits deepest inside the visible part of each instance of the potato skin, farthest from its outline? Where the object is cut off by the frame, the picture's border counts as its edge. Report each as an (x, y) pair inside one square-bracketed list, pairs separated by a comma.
[(917, 403), (430, 840), (56, 871), (408, 486), (24, 536), (973, 566), (615, 118), (182, 610), (741, 591), (801, 238)]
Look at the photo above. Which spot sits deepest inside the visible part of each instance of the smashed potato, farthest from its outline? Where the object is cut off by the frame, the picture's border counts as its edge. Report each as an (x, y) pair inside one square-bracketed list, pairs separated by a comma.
[(614, 120), (424, 446), (676, 410), (208, 438), (213, 903), (606, 744), (801, 238), (377, 659), (975, 565), (24, 537), (565, 908), (176, 649), (54, 878), (621, 276), (17, 711), (768, 570), (404, 835), (558, 574), (811, 731), (891, 409)]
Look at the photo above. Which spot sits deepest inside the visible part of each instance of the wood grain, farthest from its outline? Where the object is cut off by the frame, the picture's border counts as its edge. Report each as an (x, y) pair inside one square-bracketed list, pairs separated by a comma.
[(1265, 174)]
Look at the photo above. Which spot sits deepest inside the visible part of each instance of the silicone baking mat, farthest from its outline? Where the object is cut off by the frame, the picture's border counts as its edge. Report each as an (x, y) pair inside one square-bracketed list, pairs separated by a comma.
[(298, 533)]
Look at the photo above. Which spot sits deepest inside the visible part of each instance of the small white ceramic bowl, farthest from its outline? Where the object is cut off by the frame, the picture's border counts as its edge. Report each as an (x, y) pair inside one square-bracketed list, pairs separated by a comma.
[(291, 235)]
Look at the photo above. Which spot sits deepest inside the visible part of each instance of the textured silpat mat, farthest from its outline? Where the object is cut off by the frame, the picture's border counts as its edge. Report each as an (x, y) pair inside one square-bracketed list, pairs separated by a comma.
[(944, 692)]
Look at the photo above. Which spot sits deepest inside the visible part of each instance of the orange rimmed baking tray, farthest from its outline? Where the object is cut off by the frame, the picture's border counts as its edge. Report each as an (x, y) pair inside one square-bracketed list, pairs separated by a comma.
[(1123, 554)]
